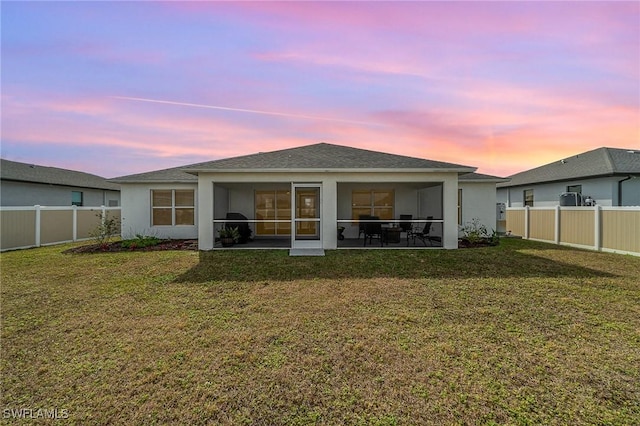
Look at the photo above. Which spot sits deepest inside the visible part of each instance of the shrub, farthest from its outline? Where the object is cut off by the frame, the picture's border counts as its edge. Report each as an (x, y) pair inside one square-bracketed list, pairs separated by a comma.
[(230, 233), (141, 241), (475, 233)]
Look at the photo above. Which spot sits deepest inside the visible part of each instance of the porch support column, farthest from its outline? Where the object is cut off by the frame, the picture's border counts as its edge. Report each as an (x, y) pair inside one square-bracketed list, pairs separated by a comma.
[(329, 214), (205, 214), (450, 212)]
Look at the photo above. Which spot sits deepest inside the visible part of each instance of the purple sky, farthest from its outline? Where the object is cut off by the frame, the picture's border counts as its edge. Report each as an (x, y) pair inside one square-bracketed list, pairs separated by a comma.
[(115, 88)]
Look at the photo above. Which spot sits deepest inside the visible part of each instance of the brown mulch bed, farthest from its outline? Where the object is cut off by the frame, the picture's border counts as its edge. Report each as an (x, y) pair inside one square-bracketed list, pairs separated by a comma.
[(464, 243), (117, 247)]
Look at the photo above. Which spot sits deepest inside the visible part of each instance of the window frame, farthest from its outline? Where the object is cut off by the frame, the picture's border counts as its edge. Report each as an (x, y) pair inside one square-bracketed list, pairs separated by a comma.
[(75, 203), (372, 206), (572, 188), (173, 207), (527, 198), (273, 211)]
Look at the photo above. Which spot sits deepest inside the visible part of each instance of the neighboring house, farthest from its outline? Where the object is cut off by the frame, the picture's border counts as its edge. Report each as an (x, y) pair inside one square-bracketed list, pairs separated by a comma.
[(24, 184), (610, 176), (310, 190)]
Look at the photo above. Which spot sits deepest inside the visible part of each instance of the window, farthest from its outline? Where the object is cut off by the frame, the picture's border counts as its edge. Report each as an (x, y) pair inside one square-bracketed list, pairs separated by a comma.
[(76, 198), (575, 188), (528, 197), (172, 207), (273, 205), (375, 202), (113, 203)]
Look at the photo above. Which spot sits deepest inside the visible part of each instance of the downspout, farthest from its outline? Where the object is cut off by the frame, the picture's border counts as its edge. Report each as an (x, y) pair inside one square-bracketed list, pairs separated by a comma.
[(620, 189)]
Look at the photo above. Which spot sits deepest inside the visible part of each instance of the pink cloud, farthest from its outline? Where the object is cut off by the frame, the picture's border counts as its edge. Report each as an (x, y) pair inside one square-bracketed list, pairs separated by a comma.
[(483, 138)]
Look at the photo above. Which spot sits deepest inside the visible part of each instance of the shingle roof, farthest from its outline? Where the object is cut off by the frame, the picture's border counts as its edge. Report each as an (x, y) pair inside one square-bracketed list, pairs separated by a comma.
[(479, 177), (23, 172), (324, 156), (596, 163), (321, 156), (172, 175)]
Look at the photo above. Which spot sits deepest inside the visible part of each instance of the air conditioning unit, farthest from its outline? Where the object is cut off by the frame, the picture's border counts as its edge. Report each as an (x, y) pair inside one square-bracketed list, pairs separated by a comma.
[(576, 199)]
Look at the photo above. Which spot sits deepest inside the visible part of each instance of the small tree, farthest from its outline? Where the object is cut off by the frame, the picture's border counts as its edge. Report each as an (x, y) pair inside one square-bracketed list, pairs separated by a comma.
[(106, 229)]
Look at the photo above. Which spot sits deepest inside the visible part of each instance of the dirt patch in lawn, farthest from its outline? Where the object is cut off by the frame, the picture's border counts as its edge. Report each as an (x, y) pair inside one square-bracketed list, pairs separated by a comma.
[(117, 247)]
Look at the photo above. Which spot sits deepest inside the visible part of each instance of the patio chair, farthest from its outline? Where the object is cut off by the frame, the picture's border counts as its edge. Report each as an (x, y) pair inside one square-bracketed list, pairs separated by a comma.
[(361, 223), (373, 230), (422, 234), (405, 224)]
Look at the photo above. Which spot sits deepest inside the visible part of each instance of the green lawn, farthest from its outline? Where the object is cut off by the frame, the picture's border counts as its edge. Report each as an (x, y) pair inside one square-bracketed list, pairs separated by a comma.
[(523, 333)]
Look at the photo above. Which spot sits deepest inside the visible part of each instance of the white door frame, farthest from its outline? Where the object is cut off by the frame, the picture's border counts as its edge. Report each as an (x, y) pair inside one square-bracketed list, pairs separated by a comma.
[(306, 242)]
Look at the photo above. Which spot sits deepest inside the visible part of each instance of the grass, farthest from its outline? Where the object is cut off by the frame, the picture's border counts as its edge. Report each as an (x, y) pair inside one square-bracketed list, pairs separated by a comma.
[(524, 333)]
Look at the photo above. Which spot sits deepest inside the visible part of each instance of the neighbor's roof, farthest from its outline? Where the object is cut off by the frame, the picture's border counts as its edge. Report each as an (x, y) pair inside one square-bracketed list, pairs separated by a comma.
[(317, 157), (600, 162), (24, 172)]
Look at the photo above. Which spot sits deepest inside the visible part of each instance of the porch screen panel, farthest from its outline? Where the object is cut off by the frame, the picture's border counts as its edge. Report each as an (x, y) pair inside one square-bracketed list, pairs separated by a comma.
[(383, 204), (360, 204), (265, 210), (283, 212), (273, 205), (378, 203)]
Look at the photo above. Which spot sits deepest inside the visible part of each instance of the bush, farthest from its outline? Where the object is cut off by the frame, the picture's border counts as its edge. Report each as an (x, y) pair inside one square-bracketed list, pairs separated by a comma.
[(230, 233), (475, 233), (141, 241)]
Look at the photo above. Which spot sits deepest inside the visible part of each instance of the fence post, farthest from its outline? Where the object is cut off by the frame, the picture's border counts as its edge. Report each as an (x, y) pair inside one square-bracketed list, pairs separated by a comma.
[(37, 241), (526, 222), (556, 234), (74, 210), (597, 240)]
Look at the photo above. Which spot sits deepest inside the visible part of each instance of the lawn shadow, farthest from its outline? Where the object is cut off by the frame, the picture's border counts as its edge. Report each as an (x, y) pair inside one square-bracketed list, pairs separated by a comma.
[(504, 261)]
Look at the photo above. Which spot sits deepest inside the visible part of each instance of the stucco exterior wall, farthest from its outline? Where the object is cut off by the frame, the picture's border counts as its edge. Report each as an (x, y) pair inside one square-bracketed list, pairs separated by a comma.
[(31, 194), (479, 201), (136, 212), (603, 190)]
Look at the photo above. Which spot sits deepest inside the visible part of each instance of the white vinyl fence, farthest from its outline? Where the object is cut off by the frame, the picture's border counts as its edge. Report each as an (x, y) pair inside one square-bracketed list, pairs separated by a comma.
[(34, 226), (602, 228)]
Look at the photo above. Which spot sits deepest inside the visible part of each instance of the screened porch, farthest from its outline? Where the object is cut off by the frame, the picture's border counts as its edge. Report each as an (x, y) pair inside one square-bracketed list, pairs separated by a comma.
[(340, 216)]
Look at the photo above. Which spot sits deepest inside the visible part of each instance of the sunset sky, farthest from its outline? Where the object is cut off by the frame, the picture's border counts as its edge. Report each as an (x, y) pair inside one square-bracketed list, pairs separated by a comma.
[(116, 88)]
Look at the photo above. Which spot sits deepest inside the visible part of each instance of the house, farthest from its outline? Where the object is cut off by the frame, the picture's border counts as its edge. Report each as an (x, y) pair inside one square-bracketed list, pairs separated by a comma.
[(23, 184), (610, 176), (300, 197)]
